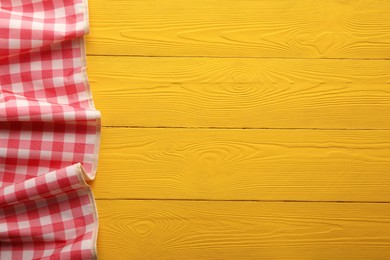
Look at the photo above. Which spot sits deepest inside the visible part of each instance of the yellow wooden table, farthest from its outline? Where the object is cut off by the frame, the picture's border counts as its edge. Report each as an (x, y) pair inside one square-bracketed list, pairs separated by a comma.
[(242, 129)]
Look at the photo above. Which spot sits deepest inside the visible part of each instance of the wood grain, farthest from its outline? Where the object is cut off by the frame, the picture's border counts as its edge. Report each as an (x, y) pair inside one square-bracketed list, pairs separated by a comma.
[(244, 164), (241, 93), (245, 230), (245, 28), (242, 129)]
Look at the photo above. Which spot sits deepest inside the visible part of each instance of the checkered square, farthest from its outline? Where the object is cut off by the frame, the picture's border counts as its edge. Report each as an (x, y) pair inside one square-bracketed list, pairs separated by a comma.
[(49, 132)]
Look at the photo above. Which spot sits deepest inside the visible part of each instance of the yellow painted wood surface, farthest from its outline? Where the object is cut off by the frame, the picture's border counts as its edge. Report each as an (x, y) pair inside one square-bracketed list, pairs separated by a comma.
[(241, 28), (243, 230), (322, 165), (237, 93), (248, 129)]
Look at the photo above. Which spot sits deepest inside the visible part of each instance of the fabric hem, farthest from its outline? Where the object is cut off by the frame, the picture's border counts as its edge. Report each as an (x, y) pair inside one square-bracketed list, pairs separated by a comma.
[(88, 89), (82, 174)]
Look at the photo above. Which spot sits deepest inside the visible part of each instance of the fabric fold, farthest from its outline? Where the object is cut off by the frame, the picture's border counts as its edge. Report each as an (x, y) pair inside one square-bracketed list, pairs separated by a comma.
[(49, 132), (29, 25), (14, 107), (56, 217)]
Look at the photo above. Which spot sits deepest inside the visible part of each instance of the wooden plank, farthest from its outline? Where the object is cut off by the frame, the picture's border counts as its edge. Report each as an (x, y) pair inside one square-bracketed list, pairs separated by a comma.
[(304, 165), (242, 230), (245, 28), (241, 93)]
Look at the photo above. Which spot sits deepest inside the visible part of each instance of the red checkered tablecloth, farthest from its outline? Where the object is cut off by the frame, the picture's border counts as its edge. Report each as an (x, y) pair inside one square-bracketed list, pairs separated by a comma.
[(49, 132)]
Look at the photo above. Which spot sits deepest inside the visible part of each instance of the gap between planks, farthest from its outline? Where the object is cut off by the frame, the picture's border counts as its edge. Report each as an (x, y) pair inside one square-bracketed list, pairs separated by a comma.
[(245, 128), (228, 57), (248, 201)]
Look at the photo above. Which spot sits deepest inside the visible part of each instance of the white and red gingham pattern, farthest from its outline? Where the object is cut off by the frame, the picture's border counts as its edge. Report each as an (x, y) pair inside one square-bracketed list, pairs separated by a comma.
[(48, 216), (32, 24), (41, 50), (48, 129)]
